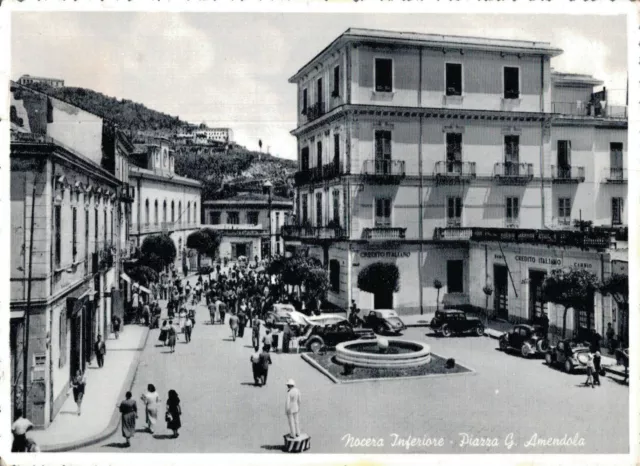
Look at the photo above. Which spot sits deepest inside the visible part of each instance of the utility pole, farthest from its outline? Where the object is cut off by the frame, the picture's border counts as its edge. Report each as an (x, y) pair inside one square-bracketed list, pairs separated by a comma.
[(25, 345)]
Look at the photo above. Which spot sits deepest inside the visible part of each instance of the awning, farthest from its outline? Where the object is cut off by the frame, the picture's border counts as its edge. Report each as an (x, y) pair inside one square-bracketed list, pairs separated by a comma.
[(126, 277), (146, 290), (17, 314)]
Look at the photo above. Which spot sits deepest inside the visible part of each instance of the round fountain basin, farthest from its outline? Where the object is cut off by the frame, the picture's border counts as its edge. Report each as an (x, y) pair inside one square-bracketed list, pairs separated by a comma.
[(399, 355)]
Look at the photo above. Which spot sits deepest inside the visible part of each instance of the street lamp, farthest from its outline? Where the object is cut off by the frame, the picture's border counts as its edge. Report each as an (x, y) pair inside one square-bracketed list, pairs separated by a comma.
[(267, 189)]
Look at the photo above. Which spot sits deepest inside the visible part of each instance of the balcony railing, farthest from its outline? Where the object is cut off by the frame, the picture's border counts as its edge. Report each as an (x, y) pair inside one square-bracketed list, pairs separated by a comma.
[(309, 232), (384, 233), (615, 175), (326, 172), (455, 171), (567, 174), (513, 173), (588, 239), (385, 170), (588, 109), (127, 193), (315, 111)]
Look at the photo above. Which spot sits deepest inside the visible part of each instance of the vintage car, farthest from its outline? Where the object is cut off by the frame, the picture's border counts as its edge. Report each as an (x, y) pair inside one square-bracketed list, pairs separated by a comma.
[(317, 337), (529, 340), (450, 321), (570, 355), (325, 319), (384, 321)]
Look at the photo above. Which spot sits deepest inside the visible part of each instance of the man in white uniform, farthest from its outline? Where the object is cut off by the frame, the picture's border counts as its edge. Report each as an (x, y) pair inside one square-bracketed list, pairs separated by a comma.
[(292, 408)]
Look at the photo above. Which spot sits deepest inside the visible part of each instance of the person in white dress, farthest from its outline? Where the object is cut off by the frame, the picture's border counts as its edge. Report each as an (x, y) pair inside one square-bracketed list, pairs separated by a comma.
[(151, 401), (183, 319)]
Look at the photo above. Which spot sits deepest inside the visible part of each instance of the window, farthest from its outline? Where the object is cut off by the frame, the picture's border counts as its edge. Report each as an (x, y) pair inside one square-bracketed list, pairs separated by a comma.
[(453, 84), (564, 210), (173, 212), (564, 159), (336, 150), (454, 211), (74, 234), (104, 230), (345, 200), (336, 82), (511, 82), (617, 204), (513, 209), (86, 236), (196, 219), (146, 210), (336, 206), (319, 154), (320, 92), (305, 101), (383, 152), (277, 223), (57, 245), (454, 152), (155, 211), (214, 218), (252, 218), (95, 229), (233, 218), (318, 209), (164, 211), (615, 156), (334, 275), (304, 159), (383, 212), (511, 155), (189, 212), (383, 74), (305, 208), (111, 226)]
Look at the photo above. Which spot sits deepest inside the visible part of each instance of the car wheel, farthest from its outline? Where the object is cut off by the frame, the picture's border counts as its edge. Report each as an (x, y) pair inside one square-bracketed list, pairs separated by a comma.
[(315, 345), (433, 322), (480, 330), (525, 350), (446, 331), (568, 366), (380, 329), (542, 346), (503, 344), (548, 359)]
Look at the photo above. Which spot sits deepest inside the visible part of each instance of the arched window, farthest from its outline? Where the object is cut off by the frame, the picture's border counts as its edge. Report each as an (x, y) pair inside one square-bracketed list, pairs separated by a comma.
[(195, 213), (164, 211), (146, 211), (155, 211), (173, 212), (189, 212), (180, 212)]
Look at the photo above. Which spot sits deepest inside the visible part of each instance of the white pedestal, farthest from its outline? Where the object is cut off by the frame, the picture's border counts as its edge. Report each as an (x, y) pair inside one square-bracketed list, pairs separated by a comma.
[(298, 444)]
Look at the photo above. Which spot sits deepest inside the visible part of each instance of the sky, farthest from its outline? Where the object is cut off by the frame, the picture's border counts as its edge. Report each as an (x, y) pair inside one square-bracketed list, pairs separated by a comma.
[(232, 69)]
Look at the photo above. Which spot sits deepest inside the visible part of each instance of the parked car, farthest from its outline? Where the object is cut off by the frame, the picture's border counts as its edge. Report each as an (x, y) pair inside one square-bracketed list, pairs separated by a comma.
[(384, 321), (281, 314), (317, 337), (450, 321), (326, 319), (529, 340), (570, 355)]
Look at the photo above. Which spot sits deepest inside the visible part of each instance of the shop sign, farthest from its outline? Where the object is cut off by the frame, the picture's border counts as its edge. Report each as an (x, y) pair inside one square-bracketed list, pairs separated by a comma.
[(553, 261), (384, 254)]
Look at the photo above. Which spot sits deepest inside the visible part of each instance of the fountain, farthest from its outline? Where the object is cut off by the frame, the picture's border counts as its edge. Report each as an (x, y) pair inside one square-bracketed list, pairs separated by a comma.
[(383, 353)]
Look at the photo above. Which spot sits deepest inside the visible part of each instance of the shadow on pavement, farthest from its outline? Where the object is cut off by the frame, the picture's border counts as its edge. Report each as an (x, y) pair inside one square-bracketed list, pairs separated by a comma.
[(228, 339), (115, 445), (249, 383), (272, 447), (163, 437)]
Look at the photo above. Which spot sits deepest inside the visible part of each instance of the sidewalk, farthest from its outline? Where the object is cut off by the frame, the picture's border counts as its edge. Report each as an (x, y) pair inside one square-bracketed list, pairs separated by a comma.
[(495, 329), (105, 388)]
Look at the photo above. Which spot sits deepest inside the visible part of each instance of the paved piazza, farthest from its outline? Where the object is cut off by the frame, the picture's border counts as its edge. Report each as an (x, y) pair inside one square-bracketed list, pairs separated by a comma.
[(224, 413)]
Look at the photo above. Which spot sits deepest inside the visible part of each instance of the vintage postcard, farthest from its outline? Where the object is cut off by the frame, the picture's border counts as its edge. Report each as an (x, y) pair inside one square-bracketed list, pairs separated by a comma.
[(319, 229)]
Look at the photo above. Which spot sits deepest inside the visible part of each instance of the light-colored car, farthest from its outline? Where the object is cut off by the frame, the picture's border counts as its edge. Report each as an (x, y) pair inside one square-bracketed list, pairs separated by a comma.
[(326, 319), (384, 321), (287, 309)]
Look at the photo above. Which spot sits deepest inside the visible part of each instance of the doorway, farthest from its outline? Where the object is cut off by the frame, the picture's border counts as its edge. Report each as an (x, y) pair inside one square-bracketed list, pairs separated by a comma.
[(501, 290), (536, 304), (455, 276), (383, 299)]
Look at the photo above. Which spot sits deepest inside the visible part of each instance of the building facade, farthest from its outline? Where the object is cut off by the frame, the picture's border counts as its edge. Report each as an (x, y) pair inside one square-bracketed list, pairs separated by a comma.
[(28, 79), (244, 222), (430, 152), (164, 203), (68, 200)]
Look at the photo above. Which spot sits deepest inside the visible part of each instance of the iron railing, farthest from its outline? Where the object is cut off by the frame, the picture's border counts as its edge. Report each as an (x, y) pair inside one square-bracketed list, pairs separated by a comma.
[(615, 175), (588, 109), (384, 168), (315, 111), (455, 169), (384, 233), (310, 232), (586, 239), (567, 173), (511, 170)]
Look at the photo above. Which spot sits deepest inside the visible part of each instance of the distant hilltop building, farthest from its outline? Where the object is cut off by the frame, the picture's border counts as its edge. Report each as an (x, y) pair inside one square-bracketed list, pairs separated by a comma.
[(197, 135), (28, 79)]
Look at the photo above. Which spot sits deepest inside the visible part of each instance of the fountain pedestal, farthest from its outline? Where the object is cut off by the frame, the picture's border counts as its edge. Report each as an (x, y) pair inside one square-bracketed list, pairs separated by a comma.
[(296, 444)]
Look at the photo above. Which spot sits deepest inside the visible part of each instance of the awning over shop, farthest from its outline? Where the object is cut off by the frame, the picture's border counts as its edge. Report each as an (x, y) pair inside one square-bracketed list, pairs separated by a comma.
[(142, 288), (126, 277), (17, 314)]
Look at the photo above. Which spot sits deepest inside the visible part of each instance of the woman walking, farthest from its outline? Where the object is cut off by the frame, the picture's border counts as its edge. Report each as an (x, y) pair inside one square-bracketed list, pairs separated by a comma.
[(171, 336), (182, 319), (79, 383), (173, 413), (164, 330), (129, 413), (151, 400), (590, 370)]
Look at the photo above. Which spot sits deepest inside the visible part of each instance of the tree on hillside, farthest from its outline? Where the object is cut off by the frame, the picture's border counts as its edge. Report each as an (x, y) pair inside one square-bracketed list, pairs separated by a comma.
[(617, 286), (572, 289), (157, 252)]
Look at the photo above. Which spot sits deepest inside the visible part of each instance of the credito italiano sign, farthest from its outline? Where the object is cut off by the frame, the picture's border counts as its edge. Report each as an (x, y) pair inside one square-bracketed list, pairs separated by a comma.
[(384, 254)]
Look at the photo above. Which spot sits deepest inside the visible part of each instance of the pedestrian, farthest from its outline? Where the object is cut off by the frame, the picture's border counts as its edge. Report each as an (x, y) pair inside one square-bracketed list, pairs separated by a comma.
[(610, 334), (182, 319), (233, 323), (255, 334), (78, 385), (151, 400), (188, 327), (171, 336), (164, 331), (173, 413), (267, 340), (19, 429), (115, 325), (597, 367), (590, 369), (264, 361), (135, 303), (100, 349), (191, 315), (292, 408), (129, 413), (222, 310), (212, 312), (242, 322), (286, 338), (146, 314), (256, 368)]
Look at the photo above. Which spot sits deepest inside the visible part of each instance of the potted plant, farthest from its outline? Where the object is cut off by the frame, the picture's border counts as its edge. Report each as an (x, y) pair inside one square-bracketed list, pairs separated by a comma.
[(488, 291), (437, 284)]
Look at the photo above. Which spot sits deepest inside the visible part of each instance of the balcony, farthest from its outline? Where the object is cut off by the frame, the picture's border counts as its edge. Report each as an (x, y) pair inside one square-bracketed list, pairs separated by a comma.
[(567, 174), (587, 239), (315, 111), (383, 171), (615, 175), (513, 173), (127, 193), (589, 109), (314, 174), (383, 233), (312, 233), (455, 172)]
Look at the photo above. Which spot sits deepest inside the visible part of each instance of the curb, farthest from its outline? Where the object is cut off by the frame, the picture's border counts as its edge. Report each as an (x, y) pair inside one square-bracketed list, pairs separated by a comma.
[(319, 367), (115, 417)]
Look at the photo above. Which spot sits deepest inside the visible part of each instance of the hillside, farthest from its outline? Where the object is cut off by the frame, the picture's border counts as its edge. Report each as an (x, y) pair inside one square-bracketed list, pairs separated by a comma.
[(236, 168)]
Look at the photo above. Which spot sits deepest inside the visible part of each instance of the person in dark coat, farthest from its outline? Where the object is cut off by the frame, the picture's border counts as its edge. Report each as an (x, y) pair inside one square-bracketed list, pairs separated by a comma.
[(256, 369), (286, 338), (100, 349), (171, 336), (115, 325), (129, 412), (79, 384), (174, 412), (264, 362), (242, 323)]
